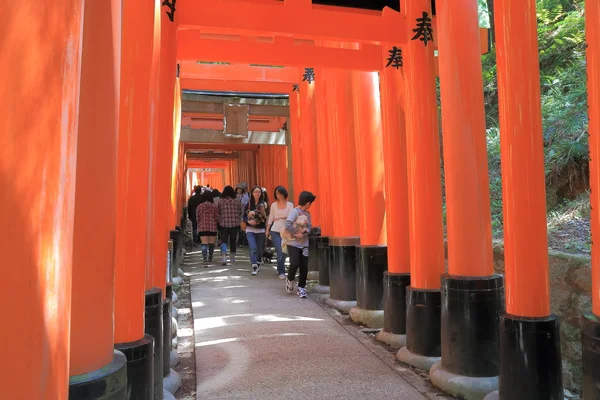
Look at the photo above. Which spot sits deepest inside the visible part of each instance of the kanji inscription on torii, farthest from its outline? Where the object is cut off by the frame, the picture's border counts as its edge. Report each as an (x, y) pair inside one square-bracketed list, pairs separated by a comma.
[(309, 75), (171, 8), (423, 31), (395, 58)]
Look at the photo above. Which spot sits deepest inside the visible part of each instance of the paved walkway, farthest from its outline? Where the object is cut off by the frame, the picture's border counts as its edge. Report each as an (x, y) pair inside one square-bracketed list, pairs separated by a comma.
[(255, 341)]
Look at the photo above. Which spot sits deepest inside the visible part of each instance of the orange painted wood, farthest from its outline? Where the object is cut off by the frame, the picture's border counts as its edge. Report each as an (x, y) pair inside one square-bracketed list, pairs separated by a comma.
[(296, 143), (235, 86), (369, 163), (268, 19), (309, 151), (174, 219), (394, 157), (164, 153), (343, 156), (427, 258), (324, 152), (38, 191), (191, 46), (92, 320), (238, 72), (522, 148), (592, 28), (155, 264), (269, 124), (468, 219), (132, 171)]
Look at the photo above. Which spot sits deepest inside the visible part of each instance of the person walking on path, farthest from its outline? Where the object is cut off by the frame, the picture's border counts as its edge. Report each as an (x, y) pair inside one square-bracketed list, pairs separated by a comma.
[(255, 217), (207, 214), (280, 211), (230, 211), (193, 203), (299, 224)]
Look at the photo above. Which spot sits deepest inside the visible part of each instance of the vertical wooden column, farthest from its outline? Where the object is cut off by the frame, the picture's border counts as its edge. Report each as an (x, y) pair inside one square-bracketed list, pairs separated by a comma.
[(93, 359), (153, 264), (174, 217), (343, 160), (309, 150), (296, 144), (323, 156), (326, 183), (132, 180), (397, 278), (371, 255), (38, 153), (530, 361), (590, 321), (425, 193), (473, 296), (342, 265), (369, 147)]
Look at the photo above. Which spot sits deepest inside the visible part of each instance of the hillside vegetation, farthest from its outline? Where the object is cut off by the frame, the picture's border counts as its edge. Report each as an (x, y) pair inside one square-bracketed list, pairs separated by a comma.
[(561, 36)]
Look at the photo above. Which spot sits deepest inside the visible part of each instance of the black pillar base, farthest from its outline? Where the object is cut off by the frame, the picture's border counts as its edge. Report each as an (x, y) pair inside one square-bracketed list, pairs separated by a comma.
[(169, 291), (342, 268), (323, 260), (140, 367), (371, 264), (154, 328), (471, 308), (424, 322), (313, 252), (174, 236), (590, 340), (394, 302), (106, 383), (530, 359), (167, 314)]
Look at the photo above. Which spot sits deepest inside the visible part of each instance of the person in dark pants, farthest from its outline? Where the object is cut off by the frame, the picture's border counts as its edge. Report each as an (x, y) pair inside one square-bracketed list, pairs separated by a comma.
[(298, 224), (193, 203), (230, 211)]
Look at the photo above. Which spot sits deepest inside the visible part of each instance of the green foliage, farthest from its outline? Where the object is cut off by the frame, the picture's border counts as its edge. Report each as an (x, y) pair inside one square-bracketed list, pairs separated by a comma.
[(561, 37)]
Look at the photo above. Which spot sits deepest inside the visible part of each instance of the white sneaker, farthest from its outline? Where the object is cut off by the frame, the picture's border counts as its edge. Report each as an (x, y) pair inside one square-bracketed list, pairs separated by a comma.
[(289, 285), (282, 276), (301, 293), (254, 269)]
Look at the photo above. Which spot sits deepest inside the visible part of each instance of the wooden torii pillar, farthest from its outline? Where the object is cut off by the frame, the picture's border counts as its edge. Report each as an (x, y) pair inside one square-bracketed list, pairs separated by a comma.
[(39, 208), (590, 321), (472, 295), (97, 369), (530, 356)]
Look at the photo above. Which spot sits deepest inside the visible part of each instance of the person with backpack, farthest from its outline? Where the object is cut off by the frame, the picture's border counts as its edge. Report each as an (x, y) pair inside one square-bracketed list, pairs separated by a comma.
[(297, 226)]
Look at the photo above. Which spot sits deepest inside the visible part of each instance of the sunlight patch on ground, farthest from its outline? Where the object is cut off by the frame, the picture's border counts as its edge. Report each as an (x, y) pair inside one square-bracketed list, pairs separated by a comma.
[(229, 340), (238, 319)]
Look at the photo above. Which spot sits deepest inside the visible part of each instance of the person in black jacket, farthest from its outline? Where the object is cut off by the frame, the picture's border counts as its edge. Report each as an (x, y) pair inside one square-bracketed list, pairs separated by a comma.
[(193, 203)]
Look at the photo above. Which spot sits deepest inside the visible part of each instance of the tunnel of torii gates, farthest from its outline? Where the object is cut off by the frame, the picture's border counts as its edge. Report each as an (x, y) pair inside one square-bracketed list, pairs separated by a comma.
[(94, 187)]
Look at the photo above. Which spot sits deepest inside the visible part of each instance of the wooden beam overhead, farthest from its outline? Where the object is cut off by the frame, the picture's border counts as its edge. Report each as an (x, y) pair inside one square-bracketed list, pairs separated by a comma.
[(192, 47), (222, 146), (217, 108), (217, 138), (291, 18), (235, 86), (238, 72)]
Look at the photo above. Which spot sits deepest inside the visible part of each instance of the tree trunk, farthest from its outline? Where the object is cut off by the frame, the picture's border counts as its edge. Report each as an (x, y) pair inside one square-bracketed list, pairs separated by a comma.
[(490, 6)]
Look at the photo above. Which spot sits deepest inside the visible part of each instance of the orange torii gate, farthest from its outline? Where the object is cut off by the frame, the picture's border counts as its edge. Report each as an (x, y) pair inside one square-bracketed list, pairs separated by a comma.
[(87, 57)]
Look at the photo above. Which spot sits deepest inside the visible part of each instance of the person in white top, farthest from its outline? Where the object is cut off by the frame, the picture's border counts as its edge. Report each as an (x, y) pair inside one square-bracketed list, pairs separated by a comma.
[(279, 213)]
